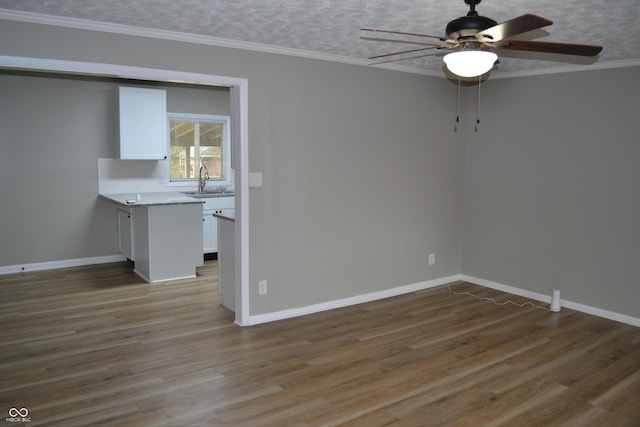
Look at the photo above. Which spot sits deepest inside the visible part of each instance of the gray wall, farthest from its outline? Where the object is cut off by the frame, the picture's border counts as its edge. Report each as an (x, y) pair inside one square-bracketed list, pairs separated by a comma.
[(552, 193), (51, 136), (363, 176), (54, 128), (363, 179)]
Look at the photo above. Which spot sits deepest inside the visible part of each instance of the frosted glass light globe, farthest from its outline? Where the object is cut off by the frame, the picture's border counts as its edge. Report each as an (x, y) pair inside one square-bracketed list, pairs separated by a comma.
[(470, 63)]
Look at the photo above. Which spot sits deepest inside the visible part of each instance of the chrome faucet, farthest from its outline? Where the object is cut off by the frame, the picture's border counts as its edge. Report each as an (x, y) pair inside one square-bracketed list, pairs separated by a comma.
[(202, 179)]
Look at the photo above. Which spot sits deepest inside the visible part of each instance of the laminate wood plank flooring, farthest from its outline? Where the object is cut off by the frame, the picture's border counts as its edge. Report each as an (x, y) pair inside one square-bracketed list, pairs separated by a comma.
[(97, 346)]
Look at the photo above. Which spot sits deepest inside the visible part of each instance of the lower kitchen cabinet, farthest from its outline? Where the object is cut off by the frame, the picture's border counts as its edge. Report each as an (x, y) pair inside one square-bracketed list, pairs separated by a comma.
[(168, 241), (164, 240), (210, 223), (209, 233)]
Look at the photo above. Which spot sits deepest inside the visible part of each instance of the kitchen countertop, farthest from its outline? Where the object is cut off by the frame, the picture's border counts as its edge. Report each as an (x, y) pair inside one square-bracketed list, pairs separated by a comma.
[(148, 199), (229, 216)]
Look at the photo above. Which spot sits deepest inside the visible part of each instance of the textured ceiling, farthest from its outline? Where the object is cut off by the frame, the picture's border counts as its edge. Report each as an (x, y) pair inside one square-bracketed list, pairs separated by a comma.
[(331, 27)]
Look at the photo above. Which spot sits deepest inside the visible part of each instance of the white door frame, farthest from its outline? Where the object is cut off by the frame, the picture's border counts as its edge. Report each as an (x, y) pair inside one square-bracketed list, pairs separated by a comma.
[(239, 113)]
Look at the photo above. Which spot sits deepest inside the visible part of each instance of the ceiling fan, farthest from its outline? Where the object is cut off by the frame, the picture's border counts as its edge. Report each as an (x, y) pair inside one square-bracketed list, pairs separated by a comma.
[(474, 38)]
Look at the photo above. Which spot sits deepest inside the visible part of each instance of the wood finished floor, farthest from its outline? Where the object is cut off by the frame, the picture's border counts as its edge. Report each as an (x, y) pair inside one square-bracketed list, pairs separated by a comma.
[(98, 346)]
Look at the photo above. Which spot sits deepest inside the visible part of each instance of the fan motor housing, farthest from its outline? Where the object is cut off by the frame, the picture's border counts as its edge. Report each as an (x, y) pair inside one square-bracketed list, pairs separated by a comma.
[(467, 26)]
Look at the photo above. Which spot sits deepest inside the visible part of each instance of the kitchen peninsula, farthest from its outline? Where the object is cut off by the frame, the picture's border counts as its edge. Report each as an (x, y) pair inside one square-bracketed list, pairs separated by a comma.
[(227, 258), (160, 232)]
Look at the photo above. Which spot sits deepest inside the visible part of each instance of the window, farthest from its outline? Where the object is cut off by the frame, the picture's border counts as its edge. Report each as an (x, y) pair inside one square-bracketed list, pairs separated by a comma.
[(198, 140)]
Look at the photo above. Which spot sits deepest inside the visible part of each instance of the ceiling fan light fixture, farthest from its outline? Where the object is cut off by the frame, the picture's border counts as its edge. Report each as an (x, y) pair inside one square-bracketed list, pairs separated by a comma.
[(470, 63)]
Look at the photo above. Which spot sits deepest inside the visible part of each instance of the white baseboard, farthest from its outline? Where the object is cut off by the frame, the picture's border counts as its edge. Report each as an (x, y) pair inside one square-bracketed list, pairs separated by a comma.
[(148, 280), (509, 289), (345, 302), (359, 299), (50, 265), (611, 315)]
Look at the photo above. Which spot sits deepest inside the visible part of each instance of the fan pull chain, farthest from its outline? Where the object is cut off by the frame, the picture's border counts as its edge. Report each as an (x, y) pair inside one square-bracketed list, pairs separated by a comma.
[(478, 104), (455, 127)]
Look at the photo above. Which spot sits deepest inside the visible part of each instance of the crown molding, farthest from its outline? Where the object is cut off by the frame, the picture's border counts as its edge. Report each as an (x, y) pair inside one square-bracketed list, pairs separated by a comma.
[(85, 24), (567, 69)]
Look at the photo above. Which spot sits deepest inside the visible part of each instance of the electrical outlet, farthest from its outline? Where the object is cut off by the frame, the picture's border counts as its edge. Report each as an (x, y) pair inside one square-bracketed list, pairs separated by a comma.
[(432, 259), (262, 287)]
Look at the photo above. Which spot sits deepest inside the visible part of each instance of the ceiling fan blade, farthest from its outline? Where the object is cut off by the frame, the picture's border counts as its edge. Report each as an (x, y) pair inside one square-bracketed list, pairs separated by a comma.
[(377, 39), (521, 24), (404, 33), (405, 58), (549, 47), (408, 51)]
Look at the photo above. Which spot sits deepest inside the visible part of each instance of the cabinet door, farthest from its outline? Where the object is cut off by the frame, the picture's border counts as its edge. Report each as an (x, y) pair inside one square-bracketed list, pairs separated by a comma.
[(125, 234), (143, 123), (210, 233)]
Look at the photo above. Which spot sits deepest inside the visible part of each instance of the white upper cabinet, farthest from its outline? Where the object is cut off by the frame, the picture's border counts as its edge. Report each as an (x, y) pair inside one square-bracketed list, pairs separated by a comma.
[(143, 123)]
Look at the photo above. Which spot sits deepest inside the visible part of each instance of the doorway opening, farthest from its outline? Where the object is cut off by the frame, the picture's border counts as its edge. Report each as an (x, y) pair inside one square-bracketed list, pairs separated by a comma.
[(238, 88)]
